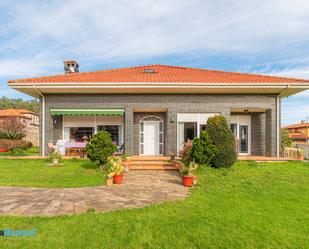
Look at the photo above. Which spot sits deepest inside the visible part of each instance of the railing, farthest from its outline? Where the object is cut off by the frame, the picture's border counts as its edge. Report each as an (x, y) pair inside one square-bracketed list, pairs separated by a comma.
[(294, 153)]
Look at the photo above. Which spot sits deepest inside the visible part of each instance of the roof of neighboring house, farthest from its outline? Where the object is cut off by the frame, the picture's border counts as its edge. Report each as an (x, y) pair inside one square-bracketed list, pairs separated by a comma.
[(298, 136), (11, 113), (25, 111), (160, 73), (295, 126)]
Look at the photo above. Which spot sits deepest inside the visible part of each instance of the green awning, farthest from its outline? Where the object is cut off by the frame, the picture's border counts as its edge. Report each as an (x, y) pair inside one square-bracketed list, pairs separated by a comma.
[(87, 112)]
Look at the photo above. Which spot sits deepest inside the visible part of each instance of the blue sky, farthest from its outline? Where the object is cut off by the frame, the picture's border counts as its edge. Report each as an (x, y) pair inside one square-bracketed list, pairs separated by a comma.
[(269, 37)]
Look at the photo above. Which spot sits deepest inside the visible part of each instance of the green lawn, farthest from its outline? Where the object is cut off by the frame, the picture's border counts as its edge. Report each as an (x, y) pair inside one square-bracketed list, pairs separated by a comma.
[(38, 173), (252, 205), (33, 151)]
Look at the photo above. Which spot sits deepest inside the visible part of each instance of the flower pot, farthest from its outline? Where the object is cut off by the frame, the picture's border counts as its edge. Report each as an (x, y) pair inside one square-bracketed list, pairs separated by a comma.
[(118, 179), (187, 181), (4, 150), (301, 157), (109, 181), (55, 161)]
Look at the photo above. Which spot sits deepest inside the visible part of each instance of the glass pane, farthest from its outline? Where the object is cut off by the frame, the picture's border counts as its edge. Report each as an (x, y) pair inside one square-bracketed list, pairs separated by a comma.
[(234, 129), (142, 137), (161, 126), (243, 138), (81, 134), (142, 149), (161, 137), (161, 149), (190, 130), (142, 126), (113, 130)]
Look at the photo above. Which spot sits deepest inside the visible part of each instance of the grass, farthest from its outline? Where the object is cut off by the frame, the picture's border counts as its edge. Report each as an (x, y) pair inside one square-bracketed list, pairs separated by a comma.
[(38, 173), (251, 205), (33, 151)]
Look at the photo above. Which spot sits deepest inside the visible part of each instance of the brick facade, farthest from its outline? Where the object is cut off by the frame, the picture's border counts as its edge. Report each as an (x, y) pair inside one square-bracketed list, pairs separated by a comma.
[(263, 124)]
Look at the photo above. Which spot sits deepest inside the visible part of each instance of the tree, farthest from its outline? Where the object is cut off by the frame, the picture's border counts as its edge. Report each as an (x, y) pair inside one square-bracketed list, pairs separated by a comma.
[(100, 148), (12, 128), (203, 150), (285, 140), (223, 139), (31, 105)]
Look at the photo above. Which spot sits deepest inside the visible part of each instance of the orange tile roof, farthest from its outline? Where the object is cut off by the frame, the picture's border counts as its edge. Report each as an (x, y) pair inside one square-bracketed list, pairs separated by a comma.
[(11, 113), (25, 111), (294, 126), (297, 136), (162, 73)]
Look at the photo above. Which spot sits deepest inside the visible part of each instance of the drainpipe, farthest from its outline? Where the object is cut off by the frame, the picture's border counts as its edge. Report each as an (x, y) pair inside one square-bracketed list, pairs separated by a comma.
[(43, 120)]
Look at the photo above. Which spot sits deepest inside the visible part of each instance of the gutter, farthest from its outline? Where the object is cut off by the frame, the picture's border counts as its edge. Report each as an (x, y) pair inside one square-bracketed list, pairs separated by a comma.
[(43, 120)]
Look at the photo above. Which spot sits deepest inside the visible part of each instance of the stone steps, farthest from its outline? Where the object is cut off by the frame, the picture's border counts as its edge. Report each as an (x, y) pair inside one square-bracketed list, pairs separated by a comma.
[(151, 163)]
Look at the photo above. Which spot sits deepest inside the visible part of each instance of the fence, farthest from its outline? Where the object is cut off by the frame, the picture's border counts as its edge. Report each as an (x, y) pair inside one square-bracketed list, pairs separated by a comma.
[(294, 153)]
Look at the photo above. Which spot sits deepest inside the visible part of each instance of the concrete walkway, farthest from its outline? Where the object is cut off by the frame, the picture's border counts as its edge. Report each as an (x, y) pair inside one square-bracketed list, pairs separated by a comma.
[(140, 188)]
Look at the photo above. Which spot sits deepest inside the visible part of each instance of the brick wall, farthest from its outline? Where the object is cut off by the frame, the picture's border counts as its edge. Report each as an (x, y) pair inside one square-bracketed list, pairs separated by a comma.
[(175, 103)]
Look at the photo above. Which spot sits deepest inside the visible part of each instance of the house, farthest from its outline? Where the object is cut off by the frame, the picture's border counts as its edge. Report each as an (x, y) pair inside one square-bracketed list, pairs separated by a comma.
[(299, 133), (153, 109), (28, 118)]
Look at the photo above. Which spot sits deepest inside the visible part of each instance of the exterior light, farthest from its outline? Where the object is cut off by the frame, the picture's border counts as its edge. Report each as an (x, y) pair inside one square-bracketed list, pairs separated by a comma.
[(246, 111), (172, 120)]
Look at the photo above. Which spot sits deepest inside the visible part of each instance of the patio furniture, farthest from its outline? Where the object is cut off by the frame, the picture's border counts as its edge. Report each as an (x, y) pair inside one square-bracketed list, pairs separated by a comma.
[(75, 148)]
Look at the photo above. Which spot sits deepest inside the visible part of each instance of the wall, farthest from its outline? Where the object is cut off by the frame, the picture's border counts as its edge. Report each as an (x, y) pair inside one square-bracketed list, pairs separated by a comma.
[(174, 103)]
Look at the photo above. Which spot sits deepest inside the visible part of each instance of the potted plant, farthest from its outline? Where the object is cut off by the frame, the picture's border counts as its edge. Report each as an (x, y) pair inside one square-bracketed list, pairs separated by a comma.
[(188, 176), (55, 157), (110, 180), (115, 166)]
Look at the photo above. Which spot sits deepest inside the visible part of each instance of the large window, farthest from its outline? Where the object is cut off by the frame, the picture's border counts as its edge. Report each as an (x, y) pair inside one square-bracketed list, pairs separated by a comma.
[(114, 130), (81, 134)]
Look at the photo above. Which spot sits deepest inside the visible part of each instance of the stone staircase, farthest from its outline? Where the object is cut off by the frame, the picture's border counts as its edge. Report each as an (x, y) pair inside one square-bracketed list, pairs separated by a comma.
[(151, 163)]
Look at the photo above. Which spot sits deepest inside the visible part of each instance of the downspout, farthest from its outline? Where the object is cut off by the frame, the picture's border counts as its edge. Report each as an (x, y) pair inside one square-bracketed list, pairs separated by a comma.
[(278, 111), (43, 120)]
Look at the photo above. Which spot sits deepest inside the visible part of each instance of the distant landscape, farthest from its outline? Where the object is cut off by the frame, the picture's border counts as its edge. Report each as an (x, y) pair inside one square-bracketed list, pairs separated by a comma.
[(8, 103)]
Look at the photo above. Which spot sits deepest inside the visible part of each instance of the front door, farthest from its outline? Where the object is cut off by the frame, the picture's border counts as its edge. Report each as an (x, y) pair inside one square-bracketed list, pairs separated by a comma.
[(151, 133)]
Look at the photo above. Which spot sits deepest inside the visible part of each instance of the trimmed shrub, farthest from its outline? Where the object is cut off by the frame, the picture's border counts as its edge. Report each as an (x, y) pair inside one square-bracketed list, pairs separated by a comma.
[(101, 147), (223, 138), (203, 150)]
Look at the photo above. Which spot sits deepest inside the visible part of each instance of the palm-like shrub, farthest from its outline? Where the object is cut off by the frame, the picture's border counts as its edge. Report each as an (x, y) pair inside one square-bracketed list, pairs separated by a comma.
[(100, 148), (223, 139), (203, 150)]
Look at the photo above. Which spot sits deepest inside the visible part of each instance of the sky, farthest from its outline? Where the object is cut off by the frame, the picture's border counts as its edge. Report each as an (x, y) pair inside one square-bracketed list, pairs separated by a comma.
[(256, 36)]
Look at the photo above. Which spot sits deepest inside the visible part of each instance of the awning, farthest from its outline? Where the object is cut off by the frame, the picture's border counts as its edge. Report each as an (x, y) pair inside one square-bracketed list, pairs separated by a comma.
[(87, 112)]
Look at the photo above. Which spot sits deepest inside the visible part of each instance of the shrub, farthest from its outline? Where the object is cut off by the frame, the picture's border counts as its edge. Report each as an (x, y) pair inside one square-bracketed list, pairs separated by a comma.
[(185, 152), (223, 138), (203, 150), (12, 128), (14, 144), (189, 170), (100, 147), (285, 140)]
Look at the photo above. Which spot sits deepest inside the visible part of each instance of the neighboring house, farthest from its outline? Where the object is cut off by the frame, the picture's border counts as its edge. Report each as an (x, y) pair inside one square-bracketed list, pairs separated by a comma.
[(29, 119), (153, 109), (299, 133)]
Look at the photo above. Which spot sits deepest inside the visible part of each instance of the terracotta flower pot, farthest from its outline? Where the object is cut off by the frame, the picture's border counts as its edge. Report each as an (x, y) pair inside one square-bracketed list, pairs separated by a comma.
[(187, 181), (4, 150), (118, 179), (109, 181)]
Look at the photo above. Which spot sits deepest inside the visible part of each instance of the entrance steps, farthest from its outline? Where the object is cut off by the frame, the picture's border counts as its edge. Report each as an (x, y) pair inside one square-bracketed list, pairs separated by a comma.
[(151, 163)]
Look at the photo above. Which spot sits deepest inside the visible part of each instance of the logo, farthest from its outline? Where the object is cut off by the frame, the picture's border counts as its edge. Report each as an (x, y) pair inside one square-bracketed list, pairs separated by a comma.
[(17, 233)]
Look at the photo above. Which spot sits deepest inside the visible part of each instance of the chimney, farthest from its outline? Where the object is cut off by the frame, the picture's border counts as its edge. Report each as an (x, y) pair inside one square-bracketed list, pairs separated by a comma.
[(70, 66)]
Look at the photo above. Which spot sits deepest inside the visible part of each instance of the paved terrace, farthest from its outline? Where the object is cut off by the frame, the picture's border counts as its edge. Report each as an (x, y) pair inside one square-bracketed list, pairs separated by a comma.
[(140, 189)]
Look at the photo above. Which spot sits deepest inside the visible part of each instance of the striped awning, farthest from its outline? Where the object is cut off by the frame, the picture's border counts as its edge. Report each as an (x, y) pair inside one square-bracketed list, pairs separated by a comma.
[(87, 112)]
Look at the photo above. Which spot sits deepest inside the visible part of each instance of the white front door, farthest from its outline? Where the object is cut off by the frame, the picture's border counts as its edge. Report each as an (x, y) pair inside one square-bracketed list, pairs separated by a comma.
[(241, 127), (151, 131)]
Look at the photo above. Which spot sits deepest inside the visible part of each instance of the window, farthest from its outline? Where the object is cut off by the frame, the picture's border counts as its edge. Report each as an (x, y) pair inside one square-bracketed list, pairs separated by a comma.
[(114, 130), (81, 134), (234, 129)]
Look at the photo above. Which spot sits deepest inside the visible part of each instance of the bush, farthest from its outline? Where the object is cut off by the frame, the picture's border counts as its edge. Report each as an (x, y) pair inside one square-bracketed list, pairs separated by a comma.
[(203, 150), (12, 128), (185, 152), (101, 147), (223, 138), (15, 144)]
